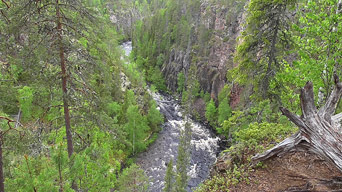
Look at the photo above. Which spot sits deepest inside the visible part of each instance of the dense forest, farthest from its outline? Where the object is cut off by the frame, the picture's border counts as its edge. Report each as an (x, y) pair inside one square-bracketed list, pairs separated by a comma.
[(76, 112)]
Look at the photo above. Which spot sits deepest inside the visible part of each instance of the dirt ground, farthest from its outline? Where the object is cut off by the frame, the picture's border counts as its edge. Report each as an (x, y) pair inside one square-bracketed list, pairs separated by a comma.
[(294, 172)]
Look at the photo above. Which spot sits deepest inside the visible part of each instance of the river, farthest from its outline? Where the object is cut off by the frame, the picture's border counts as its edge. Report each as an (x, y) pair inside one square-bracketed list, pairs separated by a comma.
[(204, 144)]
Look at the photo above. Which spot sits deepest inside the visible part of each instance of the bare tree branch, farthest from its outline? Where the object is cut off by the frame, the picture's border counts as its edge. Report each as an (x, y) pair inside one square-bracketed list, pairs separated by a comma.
[(293, 117), (7, 5)]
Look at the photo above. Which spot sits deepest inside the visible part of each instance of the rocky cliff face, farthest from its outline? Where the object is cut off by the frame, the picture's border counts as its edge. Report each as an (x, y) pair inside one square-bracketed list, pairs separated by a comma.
[(224, 24), (210, 47), (123, 15)]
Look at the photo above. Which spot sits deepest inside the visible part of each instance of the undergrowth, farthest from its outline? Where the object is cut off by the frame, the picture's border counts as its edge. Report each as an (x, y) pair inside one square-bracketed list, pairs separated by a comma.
[(255, 138)]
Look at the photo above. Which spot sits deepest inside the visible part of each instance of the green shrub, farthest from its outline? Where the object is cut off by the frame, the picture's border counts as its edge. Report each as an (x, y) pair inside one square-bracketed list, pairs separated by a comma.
[(258, 133)]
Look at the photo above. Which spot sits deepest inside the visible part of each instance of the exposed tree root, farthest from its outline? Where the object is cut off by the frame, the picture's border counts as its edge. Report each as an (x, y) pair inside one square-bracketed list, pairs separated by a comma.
[(319, 131)]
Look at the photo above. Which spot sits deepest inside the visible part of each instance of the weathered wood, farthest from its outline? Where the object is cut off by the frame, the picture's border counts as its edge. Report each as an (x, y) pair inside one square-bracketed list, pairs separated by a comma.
[(336, 121), (318, 130), (330, 106), (307, 100), (288, 145), (293, 117), (337, 117)]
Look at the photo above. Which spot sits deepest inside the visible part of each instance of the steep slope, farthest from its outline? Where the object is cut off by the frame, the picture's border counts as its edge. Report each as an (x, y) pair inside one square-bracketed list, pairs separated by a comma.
[(199, 34), (210, 49), (277, 46), (293, 172)]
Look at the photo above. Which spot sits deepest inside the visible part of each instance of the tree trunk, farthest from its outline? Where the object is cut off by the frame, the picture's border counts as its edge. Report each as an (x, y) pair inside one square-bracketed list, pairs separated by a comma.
[(2, 180), (64, 89), (271, 59), (319, 131), (134, 138), (64, 81)]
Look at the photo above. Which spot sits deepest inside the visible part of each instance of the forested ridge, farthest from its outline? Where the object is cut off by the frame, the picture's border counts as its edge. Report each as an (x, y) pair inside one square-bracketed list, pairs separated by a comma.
[(75, 112), (67, 123)]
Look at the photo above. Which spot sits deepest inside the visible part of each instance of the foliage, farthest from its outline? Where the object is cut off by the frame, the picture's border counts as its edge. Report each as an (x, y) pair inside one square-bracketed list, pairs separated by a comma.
[(257, 133), (183, 159), (25, 95), (224, 93), (155, 76), (224, 111), (260, 52), (36, 174), (92, 171), (225, 181), (255, 138), (169, 178), (316, 36), (232, 124), (276, 53), (154, 117), (107, 122), (136, 127), (211, 113), (133, 179)]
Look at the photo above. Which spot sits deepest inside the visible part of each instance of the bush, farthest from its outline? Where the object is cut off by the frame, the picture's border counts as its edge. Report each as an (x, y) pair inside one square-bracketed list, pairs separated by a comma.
[(258, 133)]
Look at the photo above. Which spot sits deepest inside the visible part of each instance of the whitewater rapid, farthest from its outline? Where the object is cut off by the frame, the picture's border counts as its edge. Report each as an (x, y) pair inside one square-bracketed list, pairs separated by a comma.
[(204, 144)]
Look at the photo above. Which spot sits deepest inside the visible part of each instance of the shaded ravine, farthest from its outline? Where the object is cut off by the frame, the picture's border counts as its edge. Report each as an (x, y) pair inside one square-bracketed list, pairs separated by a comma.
[(204, 145)]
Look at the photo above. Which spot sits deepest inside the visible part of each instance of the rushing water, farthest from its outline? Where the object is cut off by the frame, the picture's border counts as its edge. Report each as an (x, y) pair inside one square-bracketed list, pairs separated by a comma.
[(204, 145), (127, 47)]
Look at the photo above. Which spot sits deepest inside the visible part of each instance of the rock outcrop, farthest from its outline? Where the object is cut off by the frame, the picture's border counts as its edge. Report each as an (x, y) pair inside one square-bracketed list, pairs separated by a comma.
[(224, 24)]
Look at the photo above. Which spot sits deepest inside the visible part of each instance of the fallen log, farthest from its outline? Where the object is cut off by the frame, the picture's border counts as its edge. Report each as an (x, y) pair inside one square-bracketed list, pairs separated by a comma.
[(319, 129)]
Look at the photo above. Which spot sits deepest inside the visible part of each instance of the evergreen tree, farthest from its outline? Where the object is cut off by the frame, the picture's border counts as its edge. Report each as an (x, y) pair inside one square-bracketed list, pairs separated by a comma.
[(154, 117), (169, 178), (59, 66), (136, 128), (224, 93), (133, 179), (224, 111), (51, 28), (183, 159), (264, 42), (211, 113), (59, 23)]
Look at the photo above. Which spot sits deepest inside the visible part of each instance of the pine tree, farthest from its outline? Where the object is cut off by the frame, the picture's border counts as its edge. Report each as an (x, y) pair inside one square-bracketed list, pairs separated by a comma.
[(224, 110), (154, 117), (264, 42), (169, 178), (211, 113), (183, 159), (137, 128), (52, 26), (133, 179)]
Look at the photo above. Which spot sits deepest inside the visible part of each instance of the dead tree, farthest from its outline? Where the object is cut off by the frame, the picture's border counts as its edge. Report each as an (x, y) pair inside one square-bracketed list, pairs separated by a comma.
[(319, 129)]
